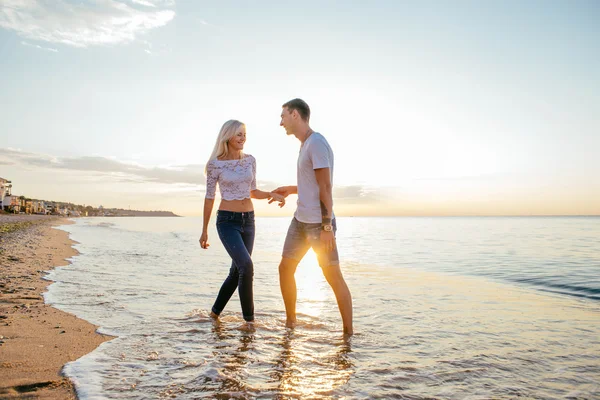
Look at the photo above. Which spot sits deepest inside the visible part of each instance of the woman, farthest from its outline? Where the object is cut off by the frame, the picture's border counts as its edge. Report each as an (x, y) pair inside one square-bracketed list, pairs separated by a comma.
[(235, 172)]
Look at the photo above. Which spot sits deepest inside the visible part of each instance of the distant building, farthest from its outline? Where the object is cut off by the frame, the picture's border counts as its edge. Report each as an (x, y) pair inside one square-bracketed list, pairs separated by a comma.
[(5, 191), (11, 203), (34, 207)]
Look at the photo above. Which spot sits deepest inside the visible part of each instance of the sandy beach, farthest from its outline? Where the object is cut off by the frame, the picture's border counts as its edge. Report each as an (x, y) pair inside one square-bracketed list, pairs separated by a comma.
[(36, 340)]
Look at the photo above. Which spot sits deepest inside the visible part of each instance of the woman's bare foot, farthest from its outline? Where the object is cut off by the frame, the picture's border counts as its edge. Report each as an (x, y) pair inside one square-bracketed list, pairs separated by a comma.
[(289, 323), (247, 326)]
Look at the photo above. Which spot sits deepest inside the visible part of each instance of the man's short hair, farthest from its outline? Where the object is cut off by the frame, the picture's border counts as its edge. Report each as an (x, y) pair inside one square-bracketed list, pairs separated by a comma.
[(300, 106)]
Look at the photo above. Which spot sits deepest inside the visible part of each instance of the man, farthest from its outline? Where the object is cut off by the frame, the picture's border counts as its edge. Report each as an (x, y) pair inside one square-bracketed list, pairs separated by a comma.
[(314, 222)]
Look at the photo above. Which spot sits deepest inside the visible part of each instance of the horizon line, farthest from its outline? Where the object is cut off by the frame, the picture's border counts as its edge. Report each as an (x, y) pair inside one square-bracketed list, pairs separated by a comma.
[(438, 215)]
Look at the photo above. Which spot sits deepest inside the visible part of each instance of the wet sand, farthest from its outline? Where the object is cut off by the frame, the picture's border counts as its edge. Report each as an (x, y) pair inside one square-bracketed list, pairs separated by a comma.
[(36, 340)]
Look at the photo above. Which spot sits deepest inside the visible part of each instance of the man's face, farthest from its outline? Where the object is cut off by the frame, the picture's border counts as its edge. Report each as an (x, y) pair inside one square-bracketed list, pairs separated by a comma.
[(287, 120)]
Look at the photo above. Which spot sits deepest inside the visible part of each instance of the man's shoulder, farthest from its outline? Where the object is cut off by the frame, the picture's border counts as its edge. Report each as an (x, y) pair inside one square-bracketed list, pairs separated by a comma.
[(319, 136), (316, 139), (319, 141)]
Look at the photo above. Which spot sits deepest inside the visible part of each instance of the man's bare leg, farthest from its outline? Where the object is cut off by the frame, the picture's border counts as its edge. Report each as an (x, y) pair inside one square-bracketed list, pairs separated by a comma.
[(334, 277), (287, 283)]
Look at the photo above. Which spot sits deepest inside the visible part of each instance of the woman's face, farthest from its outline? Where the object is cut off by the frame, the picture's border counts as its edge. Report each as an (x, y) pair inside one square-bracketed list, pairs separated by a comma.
[(238, 140)]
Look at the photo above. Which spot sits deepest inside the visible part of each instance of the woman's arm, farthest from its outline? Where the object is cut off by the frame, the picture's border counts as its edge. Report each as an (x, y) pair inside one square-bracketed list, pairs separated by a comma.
[(271, 196), (208, 206), (260, 194)]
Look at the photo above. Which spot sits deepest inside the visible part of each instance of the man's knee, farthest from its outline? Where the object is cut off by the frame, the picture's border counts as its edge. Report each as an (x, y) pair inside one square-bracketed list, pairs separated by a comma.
[(287, 266), (333, 274)]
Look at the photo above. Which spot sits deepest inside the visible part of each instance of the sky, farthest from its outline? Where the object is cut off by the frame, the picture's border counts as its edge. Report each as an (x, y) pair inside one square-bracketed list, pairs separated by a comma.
[(431, 107)]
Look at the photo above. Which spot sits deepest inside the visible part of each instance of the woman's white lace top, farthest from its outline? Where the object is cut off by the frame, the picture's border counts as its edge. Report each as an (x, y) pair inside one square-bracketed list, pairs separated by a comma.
[(236, 178)]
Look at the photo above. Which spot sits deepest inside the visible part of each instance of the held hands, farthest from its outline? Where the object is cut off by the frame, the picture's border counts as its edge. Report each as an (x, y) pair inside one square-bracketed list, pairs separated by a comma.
[(275, 196), (204, 240), (280, 194), (285, 191)]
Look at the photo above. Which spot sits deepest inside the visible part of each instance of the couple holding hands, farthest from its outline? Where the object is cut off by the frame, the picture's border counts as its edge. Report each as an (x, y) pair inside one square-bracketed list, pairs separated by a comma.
[(313, 224)]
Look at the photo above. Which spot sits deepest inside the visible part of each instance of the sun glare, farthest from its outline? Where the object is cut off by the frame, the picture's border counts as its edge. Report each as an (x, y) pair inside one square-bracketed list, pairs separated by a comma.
[(312, 286)]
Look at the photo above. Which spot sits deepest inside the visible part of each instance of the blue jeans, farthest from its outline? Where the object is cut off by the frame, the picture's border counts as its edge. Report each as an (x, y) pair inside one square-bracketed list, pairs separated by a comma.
[(236, 231)]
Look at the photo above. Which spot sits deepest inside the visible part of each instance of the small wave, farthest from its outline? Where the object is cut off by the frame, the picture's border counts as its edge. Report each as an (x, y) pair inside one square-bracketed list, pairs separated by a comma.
[(104, 225), (197, 315), (562, 288), (192, 330), (312, 325)]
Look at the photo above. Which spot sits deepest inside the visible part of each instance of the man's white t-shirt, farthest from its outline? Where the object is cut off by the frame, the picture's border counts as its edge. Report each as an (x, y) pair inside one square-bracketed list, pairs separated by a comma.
[(315, 153)]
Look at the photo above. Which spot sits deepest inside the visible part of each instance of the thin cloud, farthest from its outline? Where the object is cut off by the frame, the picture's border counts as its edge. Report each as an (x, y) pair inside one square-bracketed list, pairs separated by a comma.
[(153, 50), (204, 22), (143, 3), (120, 171), (104, 22), (356, 194), (471, 178), (349, 192), (37, 46), (179, 178)]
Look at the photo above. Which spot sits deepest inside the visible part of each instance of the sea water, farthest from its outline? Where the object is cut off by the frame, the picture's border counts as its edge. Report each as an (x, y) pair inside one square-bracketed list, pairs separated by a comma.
[(444, 308)]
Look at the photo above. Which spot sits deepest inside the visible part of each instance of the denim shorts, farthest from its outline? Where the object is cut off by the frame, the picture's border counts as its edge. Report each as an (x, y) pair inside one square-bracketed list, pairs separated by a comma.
[(302, 236)]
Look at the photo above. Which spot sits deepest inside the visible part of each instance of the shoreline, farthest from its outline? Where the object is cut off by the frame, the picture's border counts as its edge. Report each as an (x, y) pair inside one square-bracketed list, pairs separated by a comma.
[(36, 339)]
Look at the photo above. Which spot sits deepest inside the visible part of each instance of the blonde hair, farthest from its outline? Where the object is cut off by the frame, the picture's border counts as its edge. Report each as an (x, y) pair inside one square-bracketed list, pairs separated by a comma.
[(228, 130)]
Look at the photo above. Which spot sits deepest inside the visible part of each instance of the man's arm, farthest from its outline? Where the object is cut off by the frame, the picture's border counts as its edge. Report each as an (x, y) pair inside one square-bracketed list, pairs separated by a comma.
[(323, 176)]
